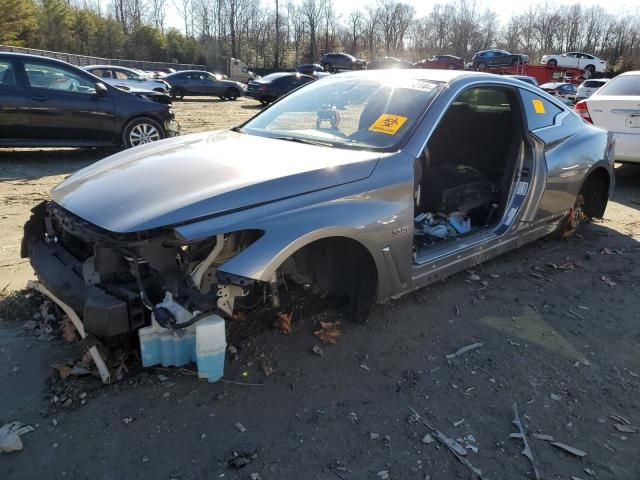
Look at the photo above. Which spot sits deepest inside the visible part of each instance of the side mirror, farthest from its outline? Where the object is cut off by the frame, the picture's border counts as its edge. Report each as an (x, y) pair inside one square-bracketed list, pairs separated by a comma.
[(101, 89)]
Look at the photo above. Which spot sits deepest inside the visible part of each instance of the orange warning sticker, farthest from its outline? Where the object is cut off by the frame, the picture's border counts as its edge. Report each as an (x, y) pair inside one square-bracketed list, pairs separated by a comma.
[(538, 106), (388, 123)]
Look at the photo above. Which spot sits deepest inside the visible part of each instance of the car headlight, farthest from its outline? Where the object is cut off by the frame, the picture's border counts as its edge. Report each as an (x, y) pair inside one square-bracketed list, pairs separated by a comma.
[(172, 127)]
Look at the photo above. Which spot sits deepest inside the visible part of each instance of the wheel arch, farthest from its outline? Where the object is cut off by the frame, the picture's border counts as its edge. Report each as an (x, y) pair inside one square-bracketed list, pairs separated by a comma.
[(595, 190)]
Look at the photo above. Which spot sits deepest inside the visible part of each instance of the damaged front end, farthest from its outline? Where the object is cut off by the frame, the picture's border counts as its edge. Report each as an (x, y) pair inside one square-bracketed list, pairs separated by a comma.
[(120, 283)]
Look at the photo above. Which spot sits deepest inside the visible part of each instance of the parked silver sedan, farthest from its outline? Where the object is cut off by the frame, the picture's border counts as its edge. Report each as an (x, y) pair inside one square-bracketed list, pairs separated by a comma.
[(127, 77), (365, 185)]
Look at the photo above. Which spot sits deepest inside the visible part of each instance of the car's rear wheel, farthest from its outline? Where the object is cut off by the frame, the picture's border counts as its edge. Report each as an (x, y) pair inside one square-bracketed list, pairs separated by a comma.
[(481, 66), (590, 68), (552, 63), (231, 94), (140, 131), (177, 93)]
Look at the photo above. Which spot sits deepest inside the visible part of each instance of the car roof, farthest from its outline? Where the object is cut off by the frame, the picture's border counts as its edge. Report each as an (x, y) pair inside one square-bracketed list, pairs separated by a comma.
[(87, 67), (554, 84), (445, 76)]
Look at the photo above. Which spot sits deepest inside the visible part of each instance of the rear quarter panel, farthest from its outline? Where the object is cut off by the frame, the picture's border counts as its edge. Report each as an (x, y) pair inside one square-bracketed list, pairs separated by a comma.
[(579, 149)]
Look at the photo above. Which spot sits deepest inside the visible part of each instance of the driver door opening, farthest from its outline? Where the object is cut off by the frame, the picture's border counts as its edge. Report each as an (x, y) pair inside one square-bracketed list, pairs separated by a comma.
[(464, 176)]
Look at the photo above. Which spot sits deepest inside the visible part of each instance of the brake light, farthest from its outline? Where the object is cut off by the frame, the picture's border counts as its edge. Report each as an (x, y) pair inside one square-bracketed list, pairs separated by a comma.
[(582, 110)]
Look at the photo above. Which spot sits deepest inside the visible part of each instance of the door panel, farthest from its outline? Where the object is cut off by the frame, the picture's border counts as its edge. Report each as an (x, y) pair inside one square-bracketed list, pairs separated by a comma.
[(63, 105), (14, 108)]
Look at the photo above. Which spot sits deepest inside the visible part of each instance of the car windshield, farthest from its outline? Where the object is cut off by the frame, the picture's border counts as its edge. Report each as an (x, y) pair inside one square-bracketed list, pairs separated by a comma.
[(363, 113), (622, 85)]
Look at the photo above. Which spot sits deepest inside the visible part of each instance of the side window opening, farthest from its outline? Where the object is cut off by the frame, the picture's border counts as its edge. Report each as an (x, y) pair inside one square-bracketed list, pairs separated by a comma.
[(463, 178), (7, 74), (54, 77)]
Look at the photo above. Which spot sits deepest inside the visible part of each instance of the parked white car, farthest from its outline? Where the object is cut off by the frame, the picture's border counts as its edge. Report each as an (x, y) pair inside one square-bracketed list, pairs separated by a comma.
[(127, 77), (589, 87), (616, 107), (583, 61)]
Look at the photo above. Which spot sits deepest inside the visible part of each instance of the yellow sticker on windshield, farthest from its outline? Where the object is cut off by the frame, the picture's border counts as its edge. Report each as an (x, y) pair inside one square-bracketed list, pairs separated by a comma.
[(538, 106), (387, 123)]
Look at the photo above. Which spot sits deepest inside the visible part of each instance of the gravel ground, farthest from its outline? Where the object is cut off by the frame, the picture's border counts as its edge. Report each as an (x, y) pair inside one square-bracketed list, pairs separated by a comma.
[(556, 340)]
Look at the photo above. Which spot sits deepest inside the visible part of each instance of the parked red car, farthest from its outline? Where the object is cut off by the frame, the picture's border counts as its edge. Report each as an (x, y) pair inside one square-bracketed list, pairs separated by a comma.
[(450, 62)]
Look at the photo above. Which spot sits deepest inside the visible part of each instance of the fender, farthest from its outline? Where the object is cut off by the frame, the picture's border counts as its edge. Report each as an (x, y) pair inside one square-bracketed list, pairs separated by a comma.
[(369, 218)]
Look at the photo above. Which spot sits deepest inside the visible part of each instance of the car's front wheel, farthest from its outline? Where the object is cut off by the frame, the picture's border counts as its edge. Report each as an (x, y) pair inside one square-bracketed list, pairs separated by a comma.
[(140, 131), (552, 63), (231, 94), (481, 66), (177, 93), (327, 67)]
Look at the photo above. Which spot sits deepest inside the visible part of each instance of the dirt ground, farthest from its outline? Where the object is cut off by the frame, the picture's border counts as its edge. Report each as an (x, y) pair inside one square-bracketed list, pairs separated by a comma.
[(557, 340)]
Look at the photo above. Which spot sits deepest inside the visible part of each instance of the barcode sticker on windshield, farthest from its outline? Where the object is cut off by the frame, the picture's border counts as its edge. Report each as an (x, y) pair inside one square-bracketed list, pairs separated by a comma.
[(388, 123), (538, 106)]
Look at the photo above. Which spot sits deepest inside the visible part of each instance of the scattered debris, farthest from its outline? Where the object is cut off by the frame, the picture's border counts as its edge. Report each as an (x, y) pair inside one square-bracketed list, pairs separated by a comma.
[(428, 439), (365, 367), (625, 428), (458, 423), (473, 277), (522, 435), (541, 436), (471, 443), (255, 476), (555, 397), (266, 368), (608, 281), (317, 350), (353, 416), (607, 251), (383, 475), (568, 448), (374, 436), (10, 434), (463, 350), (576, 314), (329, 332), (127, 420), (620, 419), (162, 378), (241, 428), (454, 447), (283, 322), (69, 332)]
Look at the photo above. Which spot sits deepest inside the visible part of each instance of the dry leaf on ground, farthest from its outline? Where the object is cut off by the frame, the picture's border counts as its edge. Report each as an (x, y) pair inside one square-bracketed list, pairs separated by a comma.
[(283, 322), (329, 332), (63, 370), (238, 316), (69, 332)]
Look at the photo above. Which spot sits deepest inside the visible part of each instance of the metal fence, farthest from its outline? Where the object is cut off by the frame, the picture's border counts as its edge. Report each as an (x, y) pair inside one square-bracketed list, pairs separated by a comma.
[(82, 60)]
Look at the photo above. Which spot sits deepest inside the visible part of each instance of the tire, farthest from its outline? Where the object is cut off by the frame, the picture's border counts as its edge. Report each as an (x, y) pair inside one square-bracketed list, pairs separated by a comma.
[(553, 63), (451, 66), (231, 94), (590, 68), (177, 93), (482, 66), (327, 67), (140, 131)]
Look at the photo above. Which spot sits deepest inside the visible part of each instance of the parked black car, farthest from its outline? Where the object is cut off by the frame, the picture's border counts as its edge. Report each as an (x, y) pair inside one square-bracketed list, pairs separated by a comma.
[(382, 63), (497, 58), (50, 103), (333, 62), (271, 87), (198, 82), (312, 69)]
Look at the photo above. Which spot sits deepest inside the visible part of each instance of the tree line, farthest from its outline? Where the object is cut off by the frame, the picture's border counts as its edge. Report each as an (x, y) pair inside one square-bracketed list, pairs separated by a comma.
[(284, 33)]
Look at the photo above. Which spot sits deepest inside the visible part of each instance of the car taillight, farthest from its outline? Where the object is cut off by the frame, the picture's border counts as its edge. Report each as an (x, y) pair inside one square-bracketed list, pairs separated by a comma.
[(582, 110)]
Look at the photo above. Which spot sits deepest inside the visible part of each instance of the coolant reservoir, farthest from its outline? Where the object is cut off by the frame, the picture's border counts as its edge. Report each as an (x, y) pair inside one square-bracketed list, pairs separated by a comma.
[(203, 343)]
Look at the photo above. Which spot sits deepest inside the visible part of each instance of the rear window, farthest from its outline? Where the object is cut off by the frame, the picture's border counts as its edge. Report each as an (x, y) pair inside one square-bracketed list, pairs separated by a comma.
[(540, 112), (593, 84), (622, 85), (7, 73)]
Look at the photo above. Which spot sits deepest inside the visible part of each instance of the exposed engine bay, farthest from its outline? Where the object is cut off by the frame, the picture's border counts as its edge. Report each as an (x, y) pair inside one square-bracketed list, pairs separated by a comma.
[(117, 281)]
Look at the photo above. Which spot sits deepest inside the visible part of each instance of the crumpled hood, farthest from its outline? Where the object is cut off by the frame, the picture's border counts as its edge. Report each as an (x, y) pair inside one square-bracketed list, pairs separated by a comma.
[(181, 179)]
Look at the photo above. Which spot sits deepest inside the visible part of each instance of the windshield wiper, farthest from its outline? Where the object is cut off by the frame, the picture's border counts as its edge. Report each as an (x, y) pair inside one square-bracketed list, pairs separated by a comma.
[(304, 140)]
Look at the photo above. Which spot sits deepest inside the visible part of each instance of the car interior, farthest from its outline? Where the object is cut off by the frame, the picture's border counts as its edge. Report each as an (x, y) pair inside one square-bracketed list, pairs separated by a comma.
[(463, 177)]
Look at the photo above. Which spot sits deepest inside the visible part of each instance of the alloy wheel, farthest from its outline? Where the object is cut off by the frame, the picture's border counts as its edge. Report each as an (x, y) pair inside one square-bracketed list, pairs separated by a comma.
[(143, 133)]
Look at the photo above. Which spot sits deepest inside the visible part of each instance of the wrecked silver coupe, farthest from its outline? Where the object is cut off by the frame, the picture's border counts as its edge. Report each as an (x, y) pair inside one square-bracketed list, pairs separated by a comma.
[(366, 185)]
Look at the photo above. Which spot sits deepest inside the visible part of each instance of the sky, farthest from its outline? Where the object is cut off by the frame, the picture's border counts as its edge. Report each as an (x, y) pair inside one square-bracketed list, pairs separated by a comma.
[(504, 8)]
